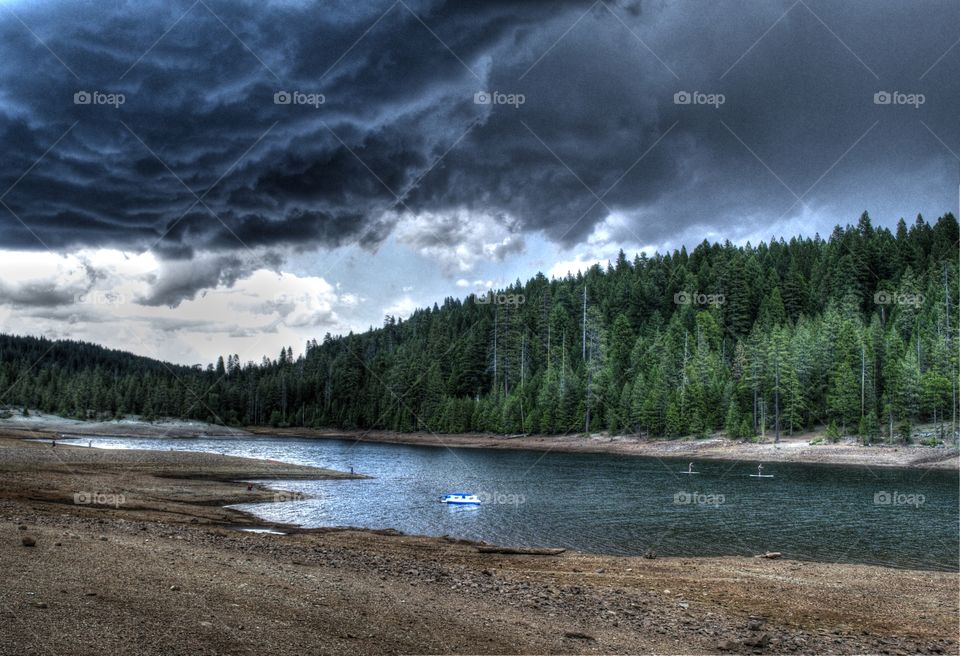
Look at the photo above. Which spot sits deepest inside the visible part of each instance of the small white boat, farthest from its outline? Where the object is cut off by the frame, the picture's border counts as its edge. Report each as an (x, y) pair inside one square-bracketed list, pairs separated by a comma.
[(462, 498)]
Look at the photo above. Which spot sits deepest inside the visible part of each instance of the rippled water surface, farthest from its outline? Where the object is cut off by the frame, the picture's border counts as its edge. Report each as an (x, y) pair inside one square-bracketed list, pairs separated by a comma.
[(615, 504)]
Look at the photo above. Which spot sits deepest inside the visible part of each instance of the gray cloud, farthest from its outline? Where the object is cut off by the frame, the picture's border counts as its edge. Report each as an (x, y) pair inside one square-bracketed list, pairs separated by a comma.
[(599, 114), (182, 279), (38, 294)]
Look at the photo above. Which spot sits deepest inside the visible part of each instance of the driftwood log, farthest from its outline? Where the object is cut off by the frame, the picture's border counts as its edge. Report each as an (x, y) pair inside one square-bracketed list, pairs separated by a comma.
[(770, 554), (520, 551)]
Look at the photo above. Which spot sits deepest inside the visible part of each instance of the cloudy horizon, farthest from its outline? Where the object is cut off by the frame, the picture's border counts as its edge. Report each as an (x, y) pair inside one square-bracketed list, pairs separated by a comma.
[(196, 178)]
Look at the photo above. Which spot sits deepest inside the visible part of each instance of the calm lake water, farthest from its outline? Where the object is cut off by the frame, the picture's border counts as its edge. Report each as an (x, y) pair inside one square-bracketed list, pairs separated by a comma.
[(615, 504)]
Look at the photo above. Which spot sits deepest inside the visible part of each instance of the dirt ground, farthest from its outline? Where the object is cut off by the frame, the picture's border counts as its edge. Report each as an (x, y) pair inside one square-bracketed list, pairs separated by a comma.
[(164, 570)]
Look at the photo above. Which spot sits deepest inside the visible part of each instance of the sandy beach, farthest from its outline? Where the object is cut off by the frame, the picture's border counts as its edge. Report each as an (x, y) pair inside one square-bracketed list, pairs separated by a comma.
[(160, 568)]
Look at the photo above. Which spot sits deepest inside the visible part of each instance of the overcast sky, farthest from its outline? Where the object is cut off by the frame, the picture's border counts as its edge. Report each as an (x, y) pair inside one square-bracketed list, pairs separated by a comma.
[(188, 178)]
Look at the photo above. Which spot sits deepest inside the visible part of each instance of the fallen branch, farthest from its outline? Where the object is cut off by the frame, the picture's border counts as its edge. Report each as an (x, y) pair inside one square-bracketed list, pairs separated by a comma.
[(520, 551)]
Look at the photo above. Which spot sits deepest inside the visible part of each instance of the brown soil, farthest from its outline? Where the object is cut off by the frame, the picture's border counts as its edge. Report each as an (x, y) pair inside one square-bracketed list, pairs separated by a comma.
[(163, 573)]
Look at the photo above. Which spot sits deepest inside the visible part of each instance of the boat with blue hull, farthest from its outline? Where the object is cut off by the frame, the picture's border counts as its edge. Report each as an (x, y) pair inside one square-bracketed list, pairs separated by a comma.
[(461, 498)]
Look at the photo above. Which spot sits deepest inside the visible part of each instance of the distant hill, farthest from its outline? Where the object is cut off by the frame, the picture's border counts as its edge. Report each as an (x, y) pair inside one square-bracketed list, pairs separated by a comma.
[(858, 331)]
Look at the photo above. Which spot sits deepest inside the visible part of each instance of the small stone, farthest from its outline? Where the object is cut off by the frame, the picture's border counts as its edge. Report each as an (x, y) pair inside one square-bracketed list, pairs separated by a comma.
[(39, 604), (103, 538), (577, 635), (28, 541), (760, 642), (754, 625), (22, 527), (174, 588), (728, 645)]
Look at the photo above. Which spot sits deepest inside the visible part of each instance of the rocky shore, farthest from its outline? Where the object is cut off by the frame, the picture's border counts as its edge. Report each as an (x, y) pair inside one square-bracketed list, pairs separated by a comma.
[(796, 448), (810, 447), (166, 571)]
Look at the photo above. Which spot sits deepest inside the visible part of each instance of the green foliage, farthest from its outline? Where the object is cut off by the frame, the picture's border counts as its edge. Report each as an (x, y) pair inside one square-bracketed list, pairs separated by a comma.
[(858, 331), (869, 429), (833, 432), (905, 431)]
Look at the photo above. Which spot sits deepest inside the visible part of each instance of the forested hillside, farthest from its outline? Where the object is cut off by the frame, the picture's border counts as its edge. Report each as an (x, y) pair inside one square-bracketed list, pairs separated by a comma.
[(858, 332)]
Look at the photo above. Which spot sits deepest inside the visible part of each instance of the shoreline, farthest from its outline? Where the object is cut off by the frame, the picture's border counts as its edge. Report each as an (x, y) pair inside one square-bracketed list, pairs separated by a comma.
[(168, 555), (791, 449), (795, 449), (195, 484)]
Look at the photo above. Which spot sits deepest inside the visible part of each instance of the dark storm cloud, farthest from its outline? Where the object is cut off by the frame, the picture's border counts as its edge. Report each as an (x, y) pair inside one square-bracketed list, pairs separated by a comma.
[(199, 157), (37, 294)]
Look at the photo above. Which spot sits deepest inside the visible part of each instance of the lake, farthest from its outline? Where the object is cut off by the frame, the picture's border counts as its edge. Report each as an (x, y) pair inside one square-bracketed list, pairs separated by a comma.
[(613, 504)]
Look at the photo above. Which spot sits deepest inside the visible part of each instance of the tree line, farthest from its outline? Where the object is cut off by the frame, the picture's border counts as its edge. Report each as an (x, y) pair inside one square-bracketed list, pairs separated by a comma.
[(857, 333)]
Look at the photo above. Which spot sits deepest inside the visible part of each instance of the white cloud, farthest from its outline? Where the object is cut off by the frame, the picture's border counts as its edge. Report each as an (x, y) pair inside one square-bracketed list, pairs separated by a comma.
[(402, 308), (579, 263), (97, 296), (602, 246), (460, 240)]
